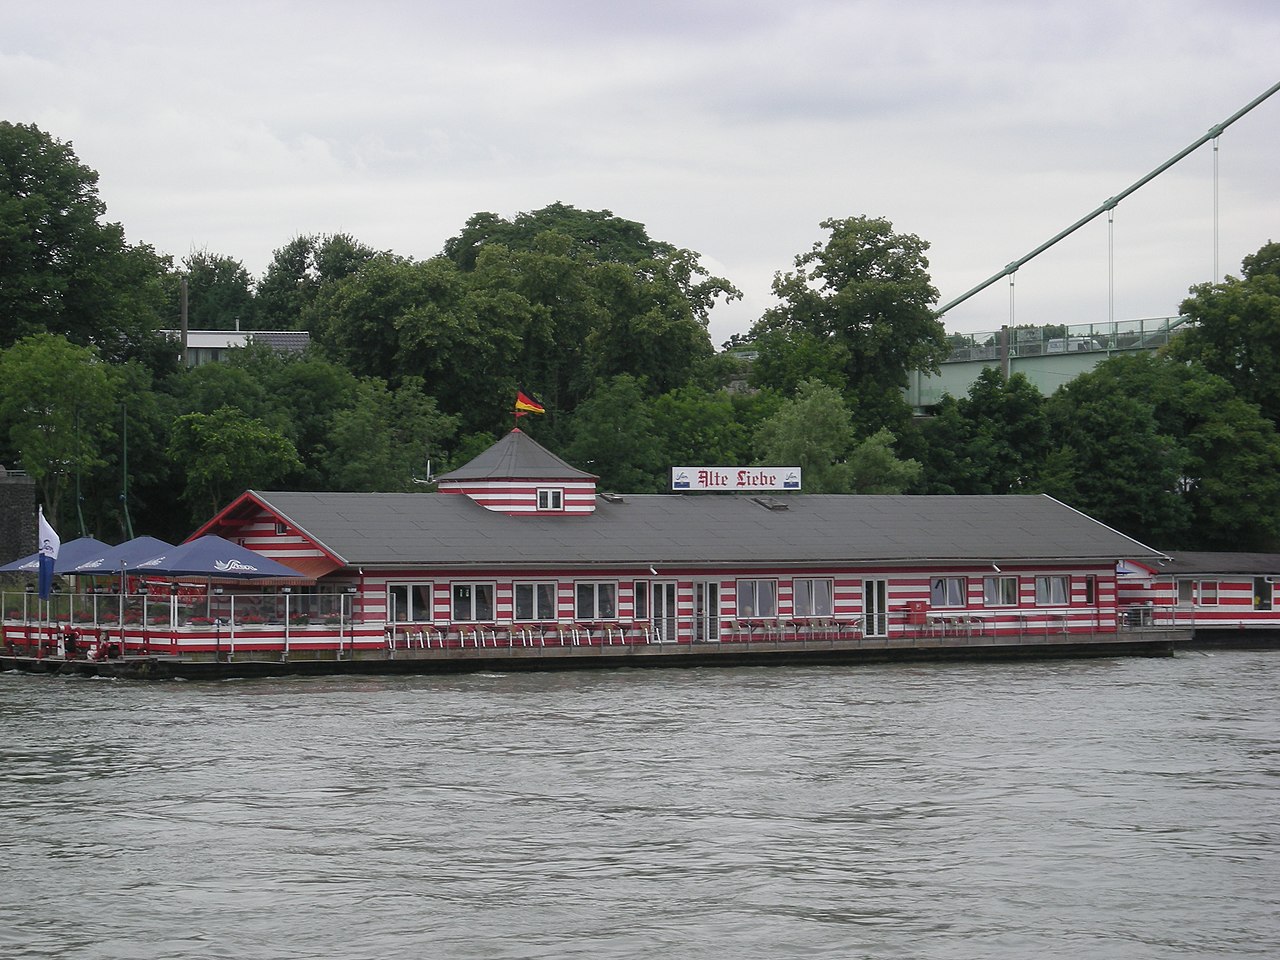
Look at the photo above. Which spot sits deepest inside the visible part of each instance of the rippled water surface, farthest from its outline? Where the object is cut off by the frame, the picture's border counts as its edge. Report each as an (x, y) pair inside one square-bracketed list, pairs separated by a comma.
[(1082, 809)]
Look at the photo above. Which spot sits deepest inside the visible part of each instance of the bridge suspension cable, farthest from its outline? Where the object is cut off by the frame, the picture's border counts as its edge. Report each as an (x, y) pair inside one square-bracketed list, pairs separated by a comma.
[(1109, 205)]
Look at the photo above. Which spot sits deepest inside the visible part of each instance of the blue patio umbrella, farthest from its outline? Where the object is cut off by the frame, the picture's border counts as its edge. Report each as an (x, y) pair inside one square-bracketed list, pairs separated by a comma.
[(69, 554), (109, 560), (214, 557)]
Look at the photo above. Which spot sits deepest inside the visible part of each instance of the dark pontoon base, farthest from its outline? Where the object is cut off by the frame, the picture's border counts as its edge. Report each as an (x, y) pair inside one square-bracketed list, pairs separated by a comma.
[(761, 654), (1239, 638)]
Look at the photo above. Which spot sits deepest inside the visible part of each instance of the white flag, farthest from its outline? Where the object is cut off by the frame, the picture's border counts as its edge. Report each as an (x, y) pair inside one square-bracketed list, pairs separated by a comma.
[(49, 546)]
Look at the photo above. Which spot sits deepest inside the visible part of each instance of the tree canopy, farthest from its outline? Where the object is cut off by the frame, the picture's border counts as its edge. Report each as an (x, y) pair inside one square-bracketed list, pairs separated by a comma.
[(1236, 330), (419, 360), (62, 269), (858, 307)]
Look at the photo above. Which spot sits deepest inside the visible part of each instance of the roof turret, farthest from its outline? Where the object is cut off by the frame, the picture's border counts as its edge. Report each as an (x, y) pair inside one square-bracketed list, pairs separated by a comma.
[(516, 457)]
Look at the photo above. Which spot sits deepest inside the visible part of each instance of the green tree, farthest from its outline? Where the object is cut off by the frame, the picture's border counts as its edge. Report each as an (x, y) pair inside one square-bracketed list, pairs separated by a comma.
[(942, 448), (56, 400), (219, 293), (814, 431), (63, 270), (383, 440), (698, 426), (225, 453), (138, 483), (865, 296), (1113, 463), (1008, 433), (1228, 454), (874, 466), (298, 270), (612, 436), (1165, 452), (601, 298), (1236, 333)]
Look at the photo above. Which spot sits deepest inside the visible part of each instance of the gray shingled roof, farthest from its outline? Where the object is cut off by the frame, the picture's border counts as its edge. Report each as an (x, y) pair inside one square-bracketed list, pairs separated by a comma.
[(517, 457), (283, 341), (435, 529), (1185, 561)]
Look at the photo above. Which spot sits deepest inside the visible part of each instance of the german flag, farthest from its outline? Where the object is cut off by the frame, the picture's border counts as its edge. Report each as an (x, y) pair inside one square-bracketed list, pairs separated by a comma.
[(527, 403)]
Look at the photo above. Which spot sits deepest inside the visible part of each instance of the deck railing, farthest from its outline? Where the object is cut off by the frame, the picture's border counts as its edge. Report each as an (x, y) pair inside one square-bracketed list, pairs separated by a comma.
[(329, 624)]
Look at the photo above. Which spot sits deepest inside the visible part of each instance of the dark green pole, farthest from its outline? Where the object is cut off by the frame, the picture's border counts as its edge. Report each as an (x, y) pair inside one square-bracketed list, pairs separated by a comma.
[(124, 469), (79, 497)]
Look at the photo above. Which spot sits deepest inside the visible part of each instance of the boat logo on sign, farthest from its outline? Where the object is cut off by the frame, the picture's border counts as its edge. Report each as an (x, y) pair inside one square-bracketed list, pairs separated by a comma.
[(234, 565)]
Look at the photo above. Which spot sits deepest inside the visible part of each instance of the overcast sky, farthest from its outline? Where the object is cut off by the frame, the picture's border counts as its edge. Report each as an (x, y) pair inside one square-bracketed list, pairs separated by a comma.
[(730, 127)]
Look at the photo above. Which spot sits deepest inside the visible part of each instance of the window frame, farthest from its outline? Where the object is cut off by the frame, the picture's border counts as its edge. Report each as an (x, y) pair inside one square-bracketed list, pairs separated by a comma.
[(1045, 584), (537, 598), (597, 588), (812, 596), (477, 587), (748, 588), (640, 604), (1001, 600), (412, 589), (550, 499), (948, 592)]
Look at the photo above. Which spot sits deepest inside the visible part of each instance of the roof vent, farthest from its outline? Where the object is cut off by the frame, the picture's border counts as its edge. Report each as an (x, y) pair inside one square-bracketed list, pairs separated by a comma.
[(771, 503), (612, 497)]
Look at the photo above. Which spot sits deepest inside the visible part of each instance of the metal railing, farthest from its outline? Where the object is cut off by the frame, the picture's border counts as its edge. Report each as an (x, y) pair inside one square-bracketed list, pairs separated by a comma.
[(1147, 333)]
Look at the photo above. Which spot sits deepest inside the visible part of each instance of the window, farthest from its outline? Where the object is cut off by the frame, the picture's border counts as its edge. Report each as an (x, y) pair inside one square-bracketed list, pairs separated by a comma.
[(282, 529), (1000, 591), (596, 601), (1051, 591), (535, 601), (947, 592), (1091, 590), (550, 498), (1261, 593), (1208, 593), (640, 595), (812, 598), (757, 598), (409, 603), (472, 602)]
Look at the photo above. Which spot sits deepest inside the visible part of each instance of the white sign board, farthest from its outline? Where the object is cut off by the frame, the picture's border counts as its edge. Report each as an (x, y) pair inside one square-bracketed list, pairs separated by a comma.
[(735, 479)]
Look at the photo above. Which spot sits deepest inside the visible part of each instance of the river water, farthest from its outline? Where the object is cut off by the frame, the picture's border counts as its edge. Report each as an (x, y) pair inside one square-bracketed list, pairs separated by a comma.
[(1121, 808)]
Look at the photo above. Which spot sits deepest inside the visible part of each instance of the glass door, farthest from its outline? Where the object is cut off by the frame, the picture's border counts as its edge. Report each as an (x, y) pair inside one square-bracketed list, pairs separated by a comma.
[(875, 608), (706, 611), (665, 624)]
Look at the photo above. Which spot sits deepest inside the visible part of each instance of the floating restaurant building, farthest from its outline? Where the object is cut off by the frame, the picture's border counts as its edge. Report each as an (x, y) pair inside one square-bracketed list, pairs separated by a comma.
[(1217, 595), (518, 548), (519, 559)]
